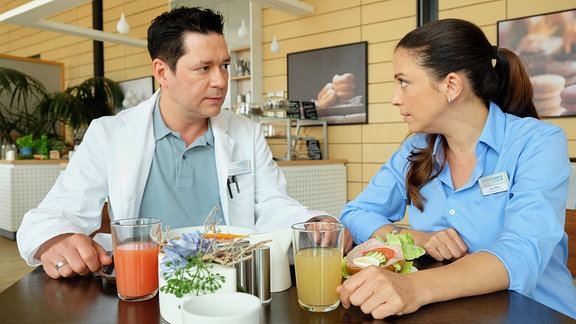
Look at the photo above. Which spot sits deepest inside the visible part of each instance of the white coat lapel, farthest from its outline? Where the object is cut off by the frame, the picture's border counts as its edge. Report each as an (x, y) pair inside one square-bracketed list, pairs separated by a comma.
[(135, 151), (223, 147)]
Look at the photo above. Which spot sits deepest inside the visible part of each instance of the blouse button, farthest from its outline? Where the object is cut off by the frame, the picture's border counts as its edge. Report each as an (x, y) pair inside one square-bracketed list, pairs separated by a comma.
[(452, 212)]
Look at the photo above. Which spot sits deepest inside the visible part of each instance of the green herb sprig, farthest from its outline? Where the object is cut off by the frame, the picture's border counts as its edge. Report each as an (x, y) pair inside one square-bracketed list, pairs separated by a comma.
[(188, 260), (195, 278)]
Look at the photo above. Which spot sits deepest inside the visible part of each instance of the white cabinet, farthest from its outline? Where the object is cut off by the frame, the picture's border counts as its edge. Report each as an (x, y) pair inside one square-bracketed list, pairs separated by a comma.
[(248, 50), (240, 74), (319, 185), (23, 185)]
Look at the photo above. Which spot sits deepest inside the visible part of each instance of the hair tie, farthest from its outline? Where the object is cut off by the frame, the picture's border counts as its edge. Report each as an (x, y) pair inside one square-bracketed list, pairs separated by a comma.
[(494, 52)]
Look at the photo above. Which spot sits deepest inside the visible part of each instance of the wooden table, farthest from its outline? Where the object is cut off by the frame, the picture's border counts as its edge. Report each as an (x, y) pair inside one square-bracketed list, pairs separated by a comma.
[(38, 299)]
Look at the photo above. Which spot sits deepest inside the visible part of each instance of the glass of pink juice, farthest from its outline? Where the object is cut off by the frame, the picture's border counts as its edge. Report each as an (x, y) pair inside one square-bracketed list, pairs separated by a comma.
[(135, 243)]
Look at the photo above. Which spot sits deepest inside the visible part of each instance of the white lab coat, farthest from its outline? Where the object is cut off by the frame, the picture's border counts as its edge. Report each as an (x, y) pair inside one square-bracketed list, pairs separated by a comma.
[(113, 162)]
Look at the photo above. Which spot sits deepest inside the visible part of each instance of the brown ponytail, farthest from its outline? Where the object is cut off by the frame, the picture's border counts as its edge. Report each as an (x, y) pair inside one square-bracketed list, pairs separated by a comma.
[(515, 99), (422, 170)]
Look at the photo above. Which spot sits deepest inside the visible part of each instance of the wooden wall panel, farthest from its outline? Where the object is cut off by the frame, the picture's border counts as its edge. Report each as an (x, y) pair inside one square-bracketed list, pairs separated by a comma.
[(345, 134), (521, 8)]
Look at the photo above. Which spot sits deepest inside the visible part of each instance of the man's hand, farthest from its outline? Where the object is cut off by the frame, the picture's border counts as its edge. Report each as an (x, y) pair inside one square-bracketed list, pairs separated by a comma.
[(348, 239), (67, 255)]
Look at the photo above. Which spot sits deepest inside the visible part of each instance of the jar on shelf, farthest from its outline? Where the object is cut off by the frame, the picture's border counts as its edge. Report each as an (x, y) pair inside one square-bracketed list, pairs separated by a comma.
[(275, 105)]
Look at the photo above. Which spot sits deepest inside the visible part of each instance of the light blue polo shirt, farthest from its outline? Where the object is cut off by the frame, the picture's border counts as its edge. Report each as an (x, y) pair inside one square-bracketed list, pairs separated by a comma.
[(182, 186)]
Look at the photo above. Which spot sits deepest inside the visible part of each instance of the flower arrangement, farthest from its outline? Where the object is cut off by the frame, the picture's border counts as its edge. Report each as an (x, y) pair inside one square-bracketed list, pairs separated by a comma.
[(188, 259)]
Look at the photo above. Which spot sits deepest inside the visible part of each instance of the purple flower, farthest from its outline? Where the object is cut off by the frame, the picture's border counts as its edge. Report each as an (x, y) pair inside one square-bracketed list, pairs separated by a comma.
[(178, 251)]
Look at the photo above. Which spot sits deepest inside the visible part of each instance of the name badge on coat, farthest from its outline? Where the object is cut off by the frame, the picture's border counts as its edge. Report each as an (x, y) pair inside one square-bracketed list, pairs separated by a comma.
[(494, 183), (239, 167)]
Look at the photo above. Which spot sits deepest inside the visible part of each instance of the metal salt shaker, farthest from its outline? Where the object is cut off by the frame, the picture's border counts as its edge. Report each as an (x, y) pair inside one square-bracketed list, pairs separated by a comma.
[(244, 270), (261, 273)]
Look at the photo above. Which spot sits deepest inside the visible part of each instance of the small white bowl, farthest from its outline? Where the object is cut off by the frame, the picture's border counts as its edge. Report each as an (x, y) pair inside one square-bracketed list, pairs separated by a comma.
[(222, 308)]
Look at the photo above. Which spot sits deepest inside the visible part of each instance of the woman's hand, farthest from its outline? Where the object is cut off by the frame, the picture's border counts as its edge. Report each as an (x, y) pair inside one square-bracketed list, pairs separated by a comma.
[(442, 245), (380, 292)]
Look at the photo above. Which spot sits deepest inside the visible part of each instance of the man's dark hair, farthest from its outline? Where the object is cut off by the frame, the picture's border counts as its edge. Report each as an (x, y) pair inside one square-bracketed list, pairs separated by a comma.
[(166, 33)]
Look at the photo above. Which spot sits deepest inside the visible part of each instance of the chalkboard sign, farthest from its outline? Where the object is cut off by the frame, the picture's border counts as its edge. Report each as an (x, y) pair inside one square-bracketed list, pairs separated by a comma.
[(293, 109), (313, 147), (309, 109)]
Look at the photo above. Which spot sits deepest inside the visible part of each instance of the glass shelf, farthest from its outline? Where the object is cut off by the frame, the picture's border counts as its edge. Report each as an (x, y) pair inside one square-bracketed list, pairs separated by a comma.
[(292, 139)]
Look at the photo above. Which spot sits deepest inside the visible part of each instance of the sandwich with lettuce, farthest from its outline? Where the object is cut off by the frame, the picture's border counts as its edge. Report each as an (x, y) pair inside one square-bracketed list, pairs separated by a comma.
[(393, 254)]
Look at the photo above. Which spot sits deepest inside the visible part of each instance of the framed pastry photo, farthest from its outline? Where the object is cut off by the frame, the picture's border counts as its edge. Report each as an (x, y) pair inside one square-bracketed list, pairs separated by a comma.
[(547, 45), (334, 79), (136, 90)]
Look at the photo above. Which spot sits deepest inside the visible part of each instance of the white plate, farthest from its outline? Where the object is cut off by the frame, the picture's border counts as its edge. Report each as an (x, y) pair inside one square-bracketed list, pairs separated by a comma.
[(235, 307)]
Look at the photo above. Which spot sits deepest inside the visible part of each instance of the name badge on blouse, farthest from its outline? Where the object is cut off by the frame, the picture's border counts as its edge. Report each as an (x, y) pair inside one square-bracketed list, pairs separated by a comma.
[(239, 167), (494, 183)]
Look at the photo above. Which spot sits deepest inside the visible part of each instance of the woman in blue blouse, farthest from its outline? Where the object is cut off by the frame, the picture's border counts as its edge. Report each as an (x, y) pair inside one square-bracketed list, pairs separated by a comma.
[(483, 181)]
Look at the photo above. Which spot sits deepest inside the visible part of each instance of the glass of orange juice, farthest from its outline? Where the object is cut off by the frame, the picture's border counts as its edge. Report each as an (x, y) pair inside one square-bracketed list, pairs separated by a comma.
[(136, 245), (318, 248)]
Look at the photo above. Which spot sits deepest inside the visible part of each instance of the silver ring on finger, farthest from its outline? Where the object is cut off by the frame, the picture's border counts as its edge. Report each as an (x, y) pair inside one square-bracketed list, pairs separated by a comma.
[(61, 264)]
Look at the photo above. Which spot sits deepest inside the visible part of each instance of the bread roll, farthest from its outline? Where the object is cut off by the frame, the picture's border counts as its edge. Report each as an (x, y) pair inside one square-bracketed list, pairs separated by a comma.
[(328, 97)]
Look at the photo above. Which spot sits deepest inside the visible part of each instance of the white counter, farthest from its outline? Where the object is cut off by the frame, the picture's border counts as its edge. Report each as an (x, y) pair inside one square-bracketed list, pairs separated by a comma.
[(23, 184), (317, 184)]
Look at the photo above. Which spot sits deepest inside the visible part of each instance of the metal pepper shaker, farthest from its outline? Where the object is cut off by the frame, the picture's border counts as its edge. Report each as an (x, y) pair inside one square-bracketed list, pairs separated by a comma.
[(261, 273), (244, 270)]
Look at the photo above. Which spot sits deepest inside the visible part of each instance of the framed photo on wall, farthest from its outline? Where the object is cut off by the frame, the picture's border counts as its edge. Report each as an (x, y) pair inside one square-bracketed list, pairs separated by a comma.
[(334, 78), (136, 90), (547, 45)]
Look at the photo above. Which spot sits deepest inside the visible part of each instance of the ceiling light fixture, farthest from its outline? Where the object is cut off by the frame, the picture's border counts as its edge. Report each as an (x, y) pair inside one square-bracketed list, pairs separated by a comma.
[(242, 30), (274, 46), (122, 26), (32, 13)]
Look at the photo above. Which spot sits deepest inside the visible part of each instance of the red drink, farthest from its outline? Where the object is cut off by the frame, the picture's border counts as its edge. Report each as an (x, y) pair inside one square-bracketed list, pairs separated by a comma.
[(136, 266)]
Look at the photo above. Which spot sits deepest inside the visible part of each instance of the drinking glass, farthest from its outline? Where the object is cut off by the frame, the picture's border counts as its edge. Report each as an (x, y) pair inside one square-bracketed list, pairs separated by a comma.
[(135, 243), (318, 248)]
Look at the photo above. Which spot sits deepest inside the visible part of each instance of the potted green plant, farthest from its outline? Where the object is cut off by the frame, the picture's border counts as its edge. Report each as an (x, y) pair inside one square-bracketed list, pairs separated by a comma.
[(20, 95), (27, 108), (42, 146), (78, 105), (26, 144)]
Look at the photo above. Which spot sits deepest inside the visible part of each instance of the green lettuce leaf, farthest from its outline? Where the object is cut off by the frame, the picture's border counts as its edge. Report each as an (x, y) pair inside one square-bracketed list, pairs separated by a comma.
[(345, 272), (405, 240), (406, 268)]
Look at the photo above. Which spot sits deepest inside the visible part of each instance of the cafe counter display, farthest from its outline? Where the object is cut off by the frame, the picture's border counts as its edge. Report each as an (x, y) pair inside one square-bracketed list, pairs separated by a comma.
[(37, 298), (23, 184), (318, 184)]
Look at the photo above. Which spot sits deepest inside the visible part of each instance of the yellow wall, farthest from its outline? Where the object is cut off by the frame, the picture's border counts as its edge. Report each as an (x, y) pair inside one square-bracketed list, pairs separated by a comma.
[(334, 22), (121, 62), (382, 24)]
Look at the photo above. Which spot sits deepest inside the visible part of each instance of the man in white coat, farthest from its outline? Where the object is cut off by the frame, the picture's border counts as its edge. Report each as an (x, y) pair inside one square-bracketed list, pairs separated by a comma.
[(173, 157)]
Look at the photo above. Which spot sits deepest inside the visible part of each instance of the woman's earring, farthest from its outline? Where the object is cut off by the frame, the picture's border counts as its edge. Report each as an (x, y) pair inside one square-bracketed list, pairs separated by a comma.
[(449, 100)]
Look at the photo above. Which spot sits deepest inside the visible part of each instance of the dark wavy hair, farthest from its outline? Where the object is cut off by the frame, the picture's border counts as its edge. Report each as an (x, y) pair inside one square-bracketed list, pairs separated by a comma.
[(452, 45), (166, 32)]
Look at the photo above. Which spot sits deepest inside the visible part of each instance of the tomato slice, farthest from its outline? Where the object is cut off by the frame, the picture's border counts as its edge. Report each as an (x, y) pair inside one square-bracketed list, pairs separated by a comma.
[(388, 253)]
